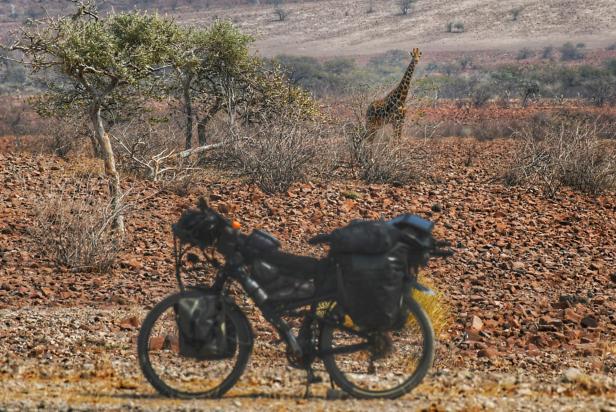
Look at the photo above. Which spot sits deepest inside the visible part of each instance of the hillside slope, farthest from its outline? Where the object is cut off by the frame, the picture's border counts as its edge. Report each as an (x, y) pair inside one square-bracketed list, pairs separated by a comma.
[(338, 27), (341, 27)]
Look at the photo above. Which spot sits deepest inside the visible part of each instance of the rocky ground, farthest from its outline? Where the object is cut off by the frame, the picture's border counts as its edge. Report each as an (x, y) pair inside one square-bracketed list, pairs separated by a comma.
[(531, 291)]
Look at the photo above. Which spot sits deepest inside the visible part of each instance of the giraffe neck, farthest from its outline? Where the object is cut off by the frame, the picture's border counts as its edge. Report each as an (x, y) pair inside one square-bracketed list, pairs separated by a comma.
[(402, 90)]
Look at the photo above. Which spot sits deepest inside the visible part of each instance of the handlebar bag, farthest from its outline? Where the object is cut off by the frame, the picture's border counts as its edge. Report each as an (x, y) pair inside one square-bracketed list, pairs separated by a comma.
[(372, 288), (204, 333)]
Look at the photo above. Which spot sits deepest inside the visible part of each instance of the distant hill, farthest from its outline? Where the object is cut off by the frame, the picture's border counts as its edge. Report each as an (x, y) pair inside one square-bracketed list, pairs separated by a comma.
[(366, 27)]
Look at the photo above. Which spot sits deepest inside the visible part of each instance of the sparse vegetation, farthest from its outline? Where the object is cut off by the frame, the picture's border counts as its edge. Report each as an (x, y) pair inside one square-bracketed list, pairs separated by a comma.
[(74, 226), (277, 153), (548, 52), (405, 6), (561, 151), (570, 52), (281, 13), (515, 13), (370, 7), (525, 53), (455, 27), (386, 161), (435, 306)]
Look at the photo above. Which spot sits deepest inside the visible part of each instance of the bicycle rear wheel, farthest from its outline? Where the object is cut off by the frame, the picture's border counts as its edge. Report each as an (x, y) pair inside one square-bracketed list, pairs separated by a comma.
[(178, 376), (383, 365)]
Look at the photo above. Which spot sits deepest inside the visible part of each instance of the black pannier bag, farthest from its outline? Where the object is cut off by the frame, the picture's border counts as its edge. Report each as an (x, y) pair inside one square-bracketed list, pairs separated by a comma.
[(372, 288), (376, 264), (372, 270), (203, 332), (364, 237)]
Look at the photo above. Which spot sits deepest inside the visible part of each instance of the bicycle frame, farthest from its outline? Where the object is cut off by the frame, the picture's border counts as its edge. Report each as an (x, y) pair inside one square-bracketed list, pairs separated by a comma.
[(272, 311)]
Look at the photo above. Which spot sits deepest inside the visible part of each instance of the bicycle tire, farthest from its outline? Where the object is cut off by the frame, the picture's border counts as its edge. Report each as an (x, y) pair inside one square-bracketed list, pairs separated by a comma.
[(244, 343), (425, 362)]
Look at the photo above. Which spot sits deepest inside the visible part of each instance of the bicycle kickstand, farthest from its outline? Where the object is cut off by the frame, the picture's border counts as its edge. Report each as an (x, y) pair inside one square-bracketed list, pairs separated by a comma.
[(310, 379)]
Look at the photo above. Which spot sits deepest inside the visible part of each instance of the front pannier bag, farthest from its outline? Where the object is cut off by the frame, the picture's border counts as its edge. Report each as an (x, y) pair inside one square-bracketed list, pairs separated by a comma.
[(203, 332)]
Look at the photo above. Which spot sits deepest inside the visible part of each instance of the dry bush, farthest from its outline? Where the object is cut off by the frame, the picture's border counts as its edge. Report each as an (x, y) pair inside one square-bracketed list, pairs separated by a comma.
[(75, 227), (562, 151), (63, 137), (386, 161), (149, 148), (67, 135), (277, 153), (185, 182)]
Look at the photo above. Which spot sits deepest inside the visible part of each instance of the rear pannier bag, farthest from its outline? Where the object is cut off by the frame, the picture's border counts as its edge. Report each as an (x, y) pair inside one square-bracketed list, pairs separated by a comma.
[(203, 332), (372, 288)]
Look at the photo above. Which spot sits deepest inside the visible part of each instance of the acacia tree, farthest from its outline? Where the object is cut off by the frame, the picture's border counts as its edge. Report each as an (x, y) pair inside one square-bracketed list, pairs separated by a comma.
[(97, 62), (214, 72), (203, 60)]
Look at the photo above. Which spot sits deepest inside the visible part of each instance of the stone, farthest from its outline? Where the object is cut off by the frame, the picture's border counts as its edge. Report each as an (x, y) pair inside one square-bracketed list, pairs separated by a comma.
[(476, 324), (129, 323), (157, 343), (517, 265), (572, 375), (488, 352), (571, 316), (589, 322)]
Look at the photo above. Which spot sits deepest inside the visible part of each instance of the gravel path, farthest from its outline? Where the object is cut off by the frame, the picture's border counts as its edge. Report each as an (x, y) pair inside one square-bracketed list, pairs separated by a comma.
[(86, 360)]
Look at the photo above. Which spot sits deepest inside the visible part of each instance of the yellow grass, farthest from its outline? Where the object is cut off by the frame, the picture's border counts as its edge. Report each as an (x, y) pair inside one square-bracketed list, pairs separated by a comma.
[(435, 307)]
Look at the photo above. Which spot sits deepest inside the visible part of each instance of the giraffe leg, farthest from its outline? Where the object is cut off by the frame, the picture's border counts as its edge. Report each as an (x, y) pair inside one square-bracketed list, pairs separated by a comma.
[(398, 130)]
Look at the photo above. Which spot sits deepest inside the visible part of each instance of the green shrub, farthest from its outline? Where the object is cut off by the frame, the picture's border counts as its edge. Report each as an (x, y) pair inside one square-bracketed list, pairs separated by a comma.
[(525, 53), (569, 52)]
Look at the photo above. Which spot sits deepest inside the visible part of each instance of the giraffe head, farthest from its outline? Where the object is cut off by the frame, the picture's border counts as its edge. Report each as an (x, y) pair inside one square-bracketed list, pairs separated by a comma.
[(415, 54)]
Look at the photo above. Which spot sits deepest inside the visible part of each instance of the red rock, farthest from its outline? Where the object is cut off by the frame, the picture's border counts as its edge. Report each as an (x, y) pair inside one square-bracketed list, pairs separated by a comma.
[(570, 315), (130, 323), (157, 343), (517, 266), (488, 352)]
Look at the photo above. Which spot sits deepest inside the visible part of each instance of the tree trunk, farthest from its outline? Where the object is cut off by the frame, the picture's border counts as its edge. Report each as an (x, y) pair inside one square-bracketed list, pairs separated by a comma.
[(202, 122), (96, 147), (189, 112), (201, 133), (115, 190)]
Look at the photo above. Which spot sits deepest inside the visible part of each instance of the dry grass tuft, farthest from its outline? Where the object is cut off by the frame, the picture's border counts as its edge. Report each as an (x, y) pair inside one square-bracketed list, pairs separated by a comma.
[(74, 226), (435, 306)]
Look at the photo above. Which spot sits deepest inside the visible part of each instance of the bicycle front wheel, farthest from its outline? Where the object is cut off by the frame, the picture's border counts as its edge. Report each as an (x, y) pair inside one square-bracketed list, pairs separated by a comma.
[(175, 375), (383, 365)]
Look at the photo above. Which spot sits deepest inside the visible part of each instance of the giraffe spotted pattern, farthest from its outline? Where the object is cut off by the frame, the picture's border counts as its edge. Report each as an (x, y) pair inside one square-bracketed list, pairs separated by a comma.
[(391, 109)]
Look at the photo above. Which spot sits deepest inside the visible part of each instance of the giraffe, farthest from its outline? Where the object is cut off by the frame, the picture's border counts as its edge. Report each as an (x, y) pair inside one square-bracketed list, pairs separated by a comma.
[(391, 109)]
